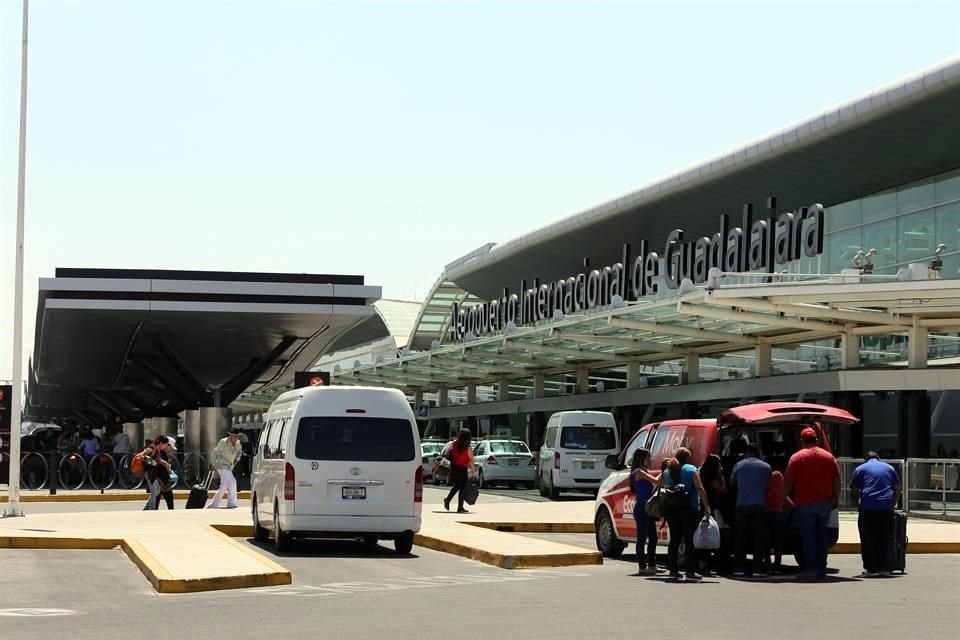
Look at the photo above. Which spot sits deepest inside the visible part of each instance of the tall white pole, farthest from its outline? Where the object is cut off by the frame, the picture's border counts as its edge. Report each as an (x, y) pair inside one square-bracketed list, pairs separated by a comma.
[(13, 506)]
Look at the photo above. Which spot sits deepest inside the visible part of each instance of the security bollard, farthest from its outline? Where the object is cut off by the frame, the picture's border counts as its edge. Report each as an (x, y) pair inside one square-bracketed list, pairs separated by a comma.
[(52, 472)]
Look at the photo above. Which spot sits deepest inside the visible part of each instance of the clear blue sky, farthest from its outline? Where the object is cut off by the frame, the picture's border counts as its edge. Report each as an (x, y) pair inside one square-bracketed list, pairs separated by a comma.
[(388, 139)]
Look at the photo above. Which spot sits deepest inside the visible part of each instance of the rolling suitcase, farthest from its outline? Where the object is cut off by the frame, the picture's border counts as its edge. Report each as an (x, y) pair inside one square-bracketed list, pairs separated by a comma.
[(898, 543), (198, 493)]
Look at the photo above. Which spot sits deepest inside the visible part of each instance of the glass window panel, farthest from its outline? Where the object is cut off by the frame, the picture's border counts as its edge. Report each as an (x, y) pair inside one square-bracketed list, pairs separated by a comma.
[(915, 196), (917, 236), (948, 226), (841, 216), (951, 266), (881, 236), (840, 249), (948, 187), (879, 206)]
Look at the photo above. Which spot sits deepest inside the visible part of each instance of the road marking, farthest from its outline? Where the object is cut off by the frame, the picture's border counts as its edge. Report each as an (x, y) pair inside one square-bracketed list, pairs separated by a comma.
[(418, 582), (30, 612)]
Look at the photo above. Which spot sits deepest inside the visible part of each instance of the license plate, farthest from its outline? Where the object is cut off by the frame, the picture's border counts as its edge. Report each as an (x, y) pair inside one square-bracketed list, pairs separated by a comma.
[(513, 463), (354, 493), (586, 464)]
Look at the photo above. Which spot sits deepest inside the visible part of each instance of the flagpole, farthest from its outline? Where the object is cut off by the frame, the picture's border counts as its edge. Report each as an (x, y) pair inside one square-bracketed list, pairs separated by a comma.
[(13, 505)]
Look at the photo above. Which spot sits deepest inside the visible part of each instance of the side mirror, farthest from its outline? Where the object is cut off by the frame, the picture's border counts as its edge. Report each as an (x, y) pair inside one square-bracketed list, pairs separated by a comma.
[(613, 463)]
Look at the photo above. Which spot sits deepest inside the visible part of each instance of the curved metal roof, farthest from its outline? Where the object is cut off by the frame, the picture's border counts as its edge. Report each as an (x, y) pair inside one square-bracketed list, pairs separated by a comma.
[(897, 133)]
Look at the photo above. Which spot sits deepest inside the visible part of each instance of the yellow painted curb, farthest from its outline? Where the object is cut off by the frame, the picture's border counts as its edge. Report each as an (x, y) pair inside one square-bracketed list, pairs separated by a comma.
[(37, 542), (502, 561), (536, 527), (134, 496)]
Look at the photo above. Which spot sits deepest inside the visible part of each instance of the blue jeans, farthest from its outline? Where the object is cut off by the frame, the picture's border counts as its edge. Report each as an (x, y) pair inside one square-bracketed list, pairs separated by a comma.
[(813, 520), (646, 536)]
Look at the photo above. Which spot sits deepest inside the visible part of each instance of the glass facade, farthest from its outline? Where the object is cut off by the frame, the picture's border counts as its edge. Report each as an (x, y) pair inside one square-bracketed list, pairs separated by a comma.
[(903, 225)]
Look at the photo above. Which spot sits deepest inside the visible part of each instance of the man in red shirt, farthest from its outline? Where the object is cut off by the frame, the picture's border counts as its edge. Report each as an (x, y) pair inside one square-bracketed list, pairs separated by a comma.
[(813, 480)]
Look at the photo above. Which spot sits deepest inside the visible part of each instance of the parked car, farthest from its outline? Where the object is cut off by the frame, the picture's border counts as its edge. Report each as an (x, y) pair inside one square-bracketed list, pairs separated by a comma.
[(575, 447), (429, 452), (441, 468), (504, 461), (773, 426), (338, 462)]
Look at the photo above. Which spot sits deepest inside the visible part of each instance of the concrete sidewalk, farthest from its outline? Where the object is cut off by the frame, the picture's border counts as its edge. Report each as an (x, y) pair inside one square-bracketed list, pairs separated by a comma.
[(95, 495)]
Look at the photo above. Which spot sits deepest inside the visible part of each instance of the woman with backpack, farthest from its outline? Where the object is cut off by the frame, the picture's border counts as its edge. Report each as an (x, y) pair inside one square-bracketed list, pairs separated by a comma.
[(688, 502), (461, 462), (156, 468), (642, 483)]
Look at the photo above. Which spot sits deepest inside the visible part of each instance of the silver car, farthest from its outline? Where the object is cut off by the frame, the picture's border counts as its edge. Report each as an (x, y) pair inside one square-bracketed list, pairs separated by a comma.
[(504, 461)]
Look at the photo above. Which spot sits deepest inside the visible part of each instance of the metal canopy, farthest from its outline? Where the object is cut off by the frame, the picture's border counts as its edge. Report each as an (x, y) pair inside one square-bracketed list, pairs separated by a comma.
[(141, 343), (729, 319)]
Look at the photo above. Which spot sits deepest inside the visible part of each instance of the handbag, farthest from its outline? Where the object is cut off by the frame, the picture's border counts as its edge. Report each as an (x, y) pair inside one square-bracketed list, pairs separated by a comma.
[(674, 498), (654, 504), (470, 491), (707, 535)]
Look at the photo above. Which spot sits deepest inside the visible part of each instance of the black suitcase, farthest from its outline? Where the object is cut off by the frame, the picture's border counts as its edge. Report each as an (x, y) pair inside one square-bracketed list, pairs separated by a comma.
[(198, 493), (898, 543)]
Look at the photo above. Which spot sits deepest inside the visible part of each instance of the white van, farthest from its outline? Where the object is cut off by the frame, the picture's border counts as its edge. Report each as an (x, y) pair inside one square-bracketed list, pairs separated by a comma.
[(575, 447), (338, 462)]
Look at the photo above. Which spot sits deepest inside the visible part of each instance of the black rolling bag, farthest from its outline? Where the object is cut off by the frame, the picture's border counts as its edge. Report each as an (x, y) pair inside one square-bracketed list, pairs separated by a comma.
[(898, 543), (198, 493)]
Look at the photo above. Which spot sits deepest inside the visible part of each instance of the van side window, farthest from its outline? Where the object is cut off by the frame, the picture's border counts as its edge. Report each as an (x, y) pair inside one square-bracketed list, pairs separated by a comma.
[(639, 442), (262, 440), (273, 440), (282, 445), (550, 439)]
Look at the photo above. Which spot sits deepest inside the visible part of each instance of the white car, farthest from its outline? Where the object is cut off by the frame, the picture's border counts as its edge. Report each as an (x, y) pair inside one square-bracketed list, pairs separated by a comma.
[(429, 452), (505, 461)]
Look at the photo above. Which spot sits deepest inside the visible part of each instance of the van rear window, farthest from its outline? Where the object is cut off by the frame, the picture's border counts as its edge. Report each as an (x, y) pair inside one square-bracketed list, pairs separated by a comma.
[(588, 438), (355, 438)]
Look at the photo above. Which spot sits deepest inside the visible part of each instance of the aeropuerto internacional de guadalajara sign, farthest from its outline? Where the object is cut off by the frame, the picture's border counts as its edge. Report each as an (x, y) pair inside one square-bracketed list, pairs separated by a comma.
[(766, 243)]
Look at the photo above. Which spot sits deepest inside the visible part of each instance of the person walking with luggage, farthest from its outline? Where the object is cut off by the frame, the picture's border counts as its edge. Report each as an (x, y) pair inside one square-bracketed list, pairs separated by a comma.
[(684, 518), (876, 487), (642, 483), (461, 463), (813, 481), (750, 478), (222, 460), (157, 468)]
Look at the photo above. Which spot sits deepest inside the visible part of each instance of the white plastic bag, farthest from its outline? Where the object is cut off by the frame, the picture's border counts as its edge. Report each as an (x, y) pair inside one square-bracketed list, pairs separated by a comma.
[(707, 535)]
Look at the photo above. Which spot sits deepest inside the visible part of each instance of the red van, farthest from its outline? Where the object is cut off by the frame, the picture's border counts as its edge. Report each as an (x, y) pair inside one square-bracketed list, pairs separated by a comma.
[(773, 426)]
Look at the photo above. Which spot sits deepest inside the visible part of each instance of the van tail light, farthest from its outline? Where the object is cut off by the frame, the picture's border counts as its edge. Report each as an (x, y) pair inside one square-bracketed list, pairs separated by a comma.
[(556, 459), (533, 462), (491, 460), (289, 482), (418, 485)]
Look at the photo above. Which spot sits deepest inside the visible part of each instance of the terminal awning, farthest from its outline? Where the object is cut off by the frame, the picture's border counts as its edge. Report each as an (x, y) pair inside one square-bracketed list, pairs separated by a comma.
[(134, 344), (731, 318)]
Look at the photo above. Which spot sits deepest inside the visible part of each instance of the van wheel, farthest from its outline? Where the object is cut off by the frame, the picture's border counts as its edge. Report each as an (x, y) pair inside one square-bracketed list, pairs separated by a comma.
[(282, 539), (540, 487), (553, 493), (403, 543), (260, 534), (608, 544)]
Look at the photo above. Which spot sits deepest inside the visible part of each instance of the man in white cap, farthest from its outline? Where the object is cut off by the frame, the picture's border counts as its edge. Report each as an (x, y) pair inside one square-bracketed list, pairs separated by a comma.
[(223, 459)]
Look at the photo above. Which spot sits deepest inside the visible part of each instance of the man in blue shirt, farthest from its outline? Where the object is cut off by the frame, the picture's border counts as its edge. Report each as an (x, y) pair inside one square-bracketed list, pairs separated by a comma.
[(750, 477), (876, 486)]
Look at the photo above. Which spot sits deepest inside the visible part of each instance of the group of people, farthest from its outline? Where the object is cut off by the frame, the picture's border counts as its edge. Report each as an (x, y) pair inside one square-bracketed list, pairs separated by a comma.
[(161, 478), (755, 496)]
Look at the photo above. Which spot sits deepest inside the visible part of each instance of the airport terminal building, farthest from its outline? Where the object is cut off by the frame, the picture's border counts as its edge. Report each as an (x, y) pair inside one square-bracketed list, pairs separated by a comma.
[(821, 263)]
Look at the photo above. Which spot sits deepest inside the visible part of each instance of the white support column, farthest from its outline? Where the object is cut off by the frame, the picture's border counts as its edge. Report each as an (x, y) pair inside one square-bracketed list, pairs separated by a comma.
[(443, 398), (538, 380), (849, 351), (417, 399), (917, 348), (764, 354), (691, 368), (633, 375), (583, 380), (472, 393), (503, 391)]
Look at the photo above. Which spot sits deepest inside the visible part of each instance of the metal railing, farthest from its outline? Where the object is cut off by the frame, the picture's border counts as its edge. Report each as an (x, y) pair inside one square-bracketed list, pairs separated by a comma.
[(928, 485)]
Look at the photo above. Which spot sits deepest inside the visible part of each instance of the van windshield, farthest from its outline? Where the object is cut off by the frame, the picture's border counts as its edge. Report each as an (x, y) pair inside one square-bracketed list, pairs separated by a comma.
[(588, 438), (358, 439)]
